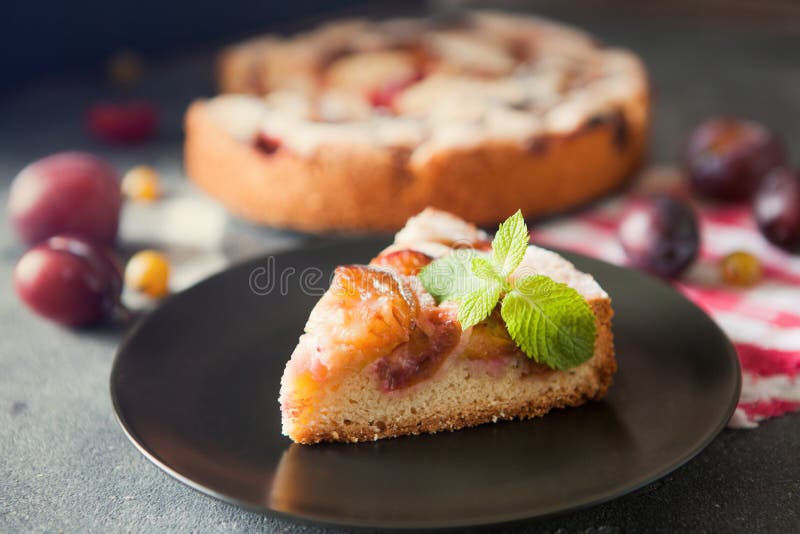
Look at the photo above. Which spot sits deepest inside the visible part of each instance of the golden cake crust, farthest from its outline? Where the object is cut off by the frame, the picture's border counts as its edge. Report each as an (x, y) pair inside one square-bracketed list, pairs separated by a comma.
[(502, 113), (361, 189)]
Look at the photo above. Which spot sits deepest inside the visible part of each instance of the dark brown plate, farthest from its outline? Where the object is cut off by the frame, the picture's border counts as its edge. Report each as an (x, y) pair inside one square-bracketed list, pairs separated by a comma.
[(195, 387)]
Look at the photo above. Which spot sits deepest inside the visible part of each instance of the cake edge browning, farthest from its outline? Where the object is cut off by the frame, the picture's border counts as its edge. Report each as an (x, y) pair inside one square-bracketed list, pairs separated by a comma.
[(368, 189), (574, 387)]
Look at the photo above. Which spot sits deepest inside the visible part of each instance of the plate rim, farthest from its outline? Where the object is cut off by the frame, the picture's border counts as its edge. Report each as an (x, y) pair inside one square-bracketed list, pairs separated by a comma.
[(368, 525)]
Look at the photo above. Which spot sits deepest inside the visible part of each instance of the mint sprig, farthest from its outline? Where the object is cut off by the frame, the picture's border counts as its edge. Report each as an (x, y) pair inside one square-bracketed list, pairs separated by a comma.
[(476, 305), (549, 321), (451, 276), (509, 244)]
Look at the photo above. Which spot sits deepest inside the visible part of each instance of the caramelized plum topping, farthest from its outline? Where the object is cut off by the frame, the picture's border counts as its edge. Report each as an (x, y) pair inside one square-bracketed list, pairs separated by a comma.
[(422, 355), (490, 342), (383, 97), (407, 262), (483, 244), (490, 338), (267, 143), (368, 311)]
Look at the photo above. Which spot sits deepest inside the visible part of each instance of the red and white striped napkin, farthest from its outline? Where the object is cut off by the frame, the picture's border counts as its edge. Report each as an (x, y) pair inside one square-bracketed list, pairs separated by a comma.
[(763, 322)]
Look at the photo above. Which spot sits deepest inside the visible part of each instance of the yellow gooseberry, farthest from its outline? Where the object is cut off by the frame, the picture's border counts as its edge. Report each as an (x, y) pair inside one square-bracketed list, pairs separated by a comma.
[(125, 68), (740, 269), (148, 272), (142, 183)]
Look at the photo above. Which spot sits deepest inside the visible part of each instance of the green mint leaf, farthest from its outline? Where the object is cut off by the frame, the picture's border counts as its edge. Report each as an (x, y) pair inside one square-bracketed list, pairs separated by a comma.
[(450, 276), (476, 306), (549, 321), (483, 268), (509, 244)]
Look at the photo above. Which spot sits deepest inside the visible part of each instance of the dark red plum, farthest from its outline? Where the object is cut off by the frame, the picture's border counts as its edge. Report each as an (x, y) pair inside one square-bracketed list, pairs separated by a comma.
[(727, 158), (66, 193), (777, 209), (660, 234), (122, 123), (69, 280)]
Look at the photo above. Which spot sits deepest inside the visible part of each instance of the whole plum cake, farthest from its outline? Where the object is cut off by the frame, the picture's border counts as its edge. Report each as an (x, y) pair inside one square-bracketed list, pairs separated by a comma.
[(357, 125)]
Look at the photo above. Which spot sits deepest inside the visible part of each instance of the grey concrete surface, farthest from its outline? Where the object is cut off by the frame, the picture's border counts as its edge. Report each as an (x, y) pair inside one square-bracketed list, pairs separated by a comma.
[(66, 466)]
